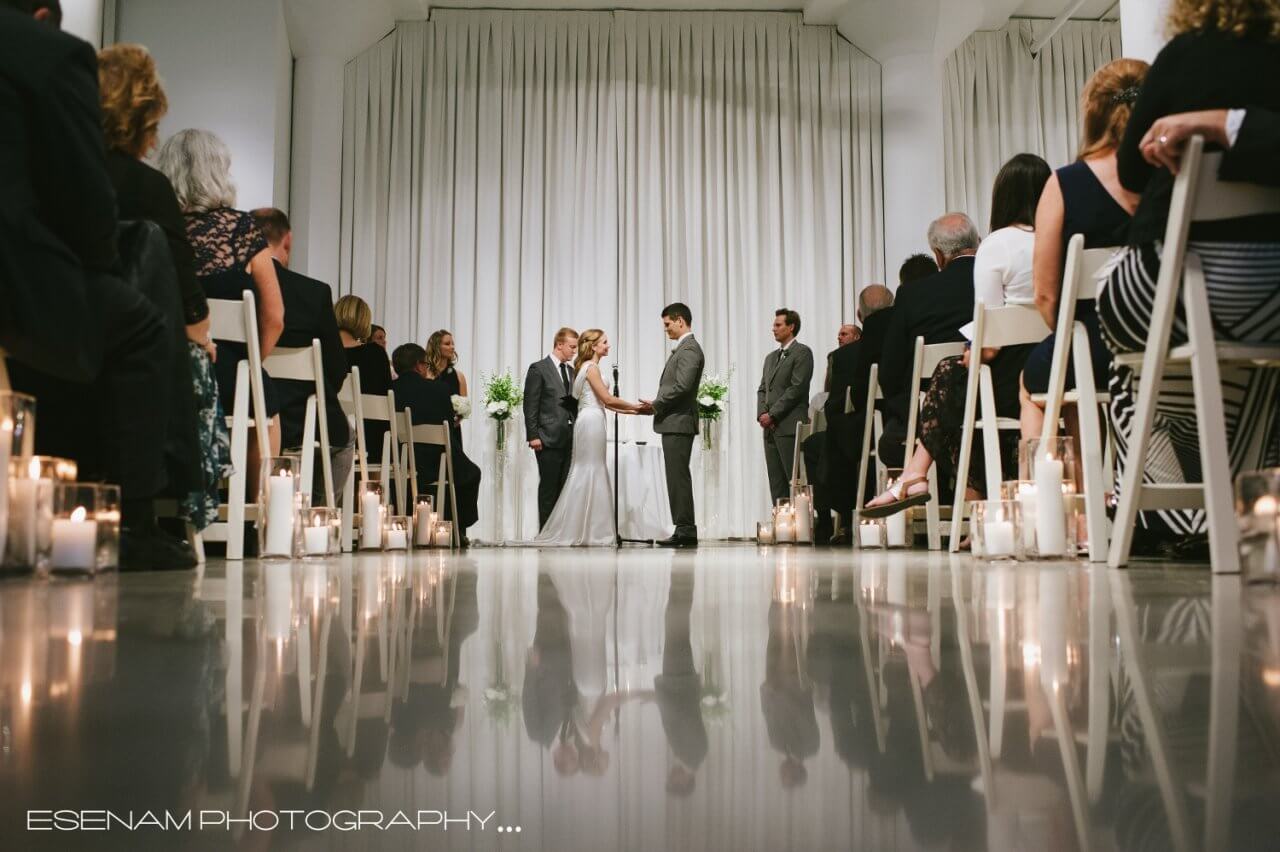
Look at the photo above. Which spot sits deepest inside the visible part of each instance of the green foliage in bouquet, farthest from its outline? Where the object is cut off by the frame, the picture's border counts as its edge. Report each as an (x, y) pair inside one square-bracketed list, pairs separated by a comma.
[(502, 396)]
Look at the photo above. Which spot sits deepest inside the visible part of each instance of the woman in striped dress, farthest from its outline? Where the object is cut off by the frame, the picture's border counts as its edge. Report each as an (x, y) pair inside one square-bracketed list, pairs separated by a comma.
[(1224, 53)]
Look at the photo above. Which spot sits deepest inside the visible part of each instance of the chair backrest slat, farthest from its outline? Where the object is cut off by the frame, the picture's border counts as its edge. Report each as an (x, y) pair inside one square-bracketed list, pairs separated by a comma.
[(935, 353), (1216, 199), (227, 320), (435, 434), (1010, 325), (377, 408), (290, 363)]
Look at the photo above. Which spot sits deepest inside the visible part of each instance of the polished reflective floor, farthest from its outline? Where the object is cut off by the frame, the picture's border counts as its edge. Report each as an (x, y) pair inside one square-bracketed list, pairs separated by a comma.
[(729, 699)]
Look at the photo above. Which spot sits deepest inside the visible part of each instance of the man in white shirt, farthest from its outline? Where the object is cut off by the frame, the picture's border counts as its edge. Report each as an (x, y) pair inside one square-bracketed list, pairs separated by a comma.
[(548, 424)]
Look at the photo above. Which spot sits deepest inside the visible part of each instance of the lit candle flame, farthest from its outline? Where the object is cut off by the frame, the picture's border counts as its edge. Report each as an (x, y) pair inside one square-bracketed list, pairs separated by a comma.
[(74, 638), (33, 469), (78, 515), (1265, 505)]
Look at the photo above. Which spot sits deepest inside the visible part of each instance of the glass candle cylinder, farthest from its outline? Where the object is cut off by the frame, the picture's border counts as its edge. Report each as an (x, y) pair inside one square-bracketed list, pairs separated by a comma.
[(443, 535), (17, 435), (396, 532), (372, 511), (73, 534), (30, 495), (871, 534), (320, 533), (424, 518), (995, 529), (764, 532), (278, 501), (802, 505), (1049, 466), (784, 524), (1258, 516), (108, 518)]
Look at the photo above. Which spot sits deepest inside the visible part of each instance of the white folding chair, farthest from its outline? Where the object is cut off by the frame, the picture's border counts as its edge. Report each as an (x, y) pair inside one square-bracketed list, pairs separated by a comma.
[(1011, 325), (1198, 196), (815, 422), (924, 361), (437, 435), (871, 429), (1080, 283), (360, 406), (304, 364), (237, 322)]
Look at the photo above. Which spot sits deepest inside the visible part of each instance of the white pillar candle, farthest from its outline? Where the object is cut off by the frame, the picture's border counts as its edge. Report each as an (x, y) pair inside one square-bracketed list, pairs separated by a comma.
[(896, 526), (1051, 526), (1027, 504), (998, 538), (784, 526), (75, 542), (804, 518), (30, 499), (6, 447), (280, 515), (869, 535), (426, 524), (764, 533), (277, 612), (370, 520), (316, 538), (443, 535), (397, 539)]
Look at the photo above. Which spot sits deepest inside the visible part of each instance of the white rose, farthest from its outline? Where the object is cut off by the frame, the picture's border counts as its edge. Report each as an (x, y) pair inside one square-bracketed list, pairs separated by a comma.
[(461, 406), (502, 407), (717, 404), (706, 401)]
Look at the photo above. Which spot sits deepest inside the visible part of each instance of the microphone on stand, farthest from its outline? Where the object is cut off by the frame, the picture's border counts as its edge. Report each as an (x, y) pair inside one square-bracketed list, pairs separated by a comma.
[(617, 469)]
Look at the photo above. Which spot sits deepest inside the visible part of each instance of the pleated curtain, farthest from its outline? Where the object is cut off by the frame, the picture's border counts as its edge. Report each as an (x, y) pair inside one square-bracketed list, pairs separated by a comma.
[(509, 173), (1000, 100)]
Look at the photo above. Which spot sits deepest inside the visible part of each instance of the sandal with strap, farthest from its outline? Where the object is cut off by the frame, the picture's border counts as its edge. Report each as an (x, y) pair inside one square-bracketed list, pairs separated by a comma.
[(901, 499)]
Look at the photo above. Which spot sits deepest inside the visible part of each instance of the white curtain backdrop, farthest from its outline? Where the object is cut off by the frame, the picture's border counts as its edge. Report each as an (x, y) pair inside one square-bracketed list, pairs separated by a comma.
[(508, 173), (999, 100)]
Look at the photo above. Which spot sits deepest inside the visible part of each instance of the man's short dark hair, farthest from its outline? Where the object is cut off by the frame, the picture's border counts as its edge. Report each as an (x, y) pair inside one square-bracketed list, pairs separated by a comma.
[(678, 311), (30, 7), (915, 267), (273, 223), (407, 357), (791, 318)]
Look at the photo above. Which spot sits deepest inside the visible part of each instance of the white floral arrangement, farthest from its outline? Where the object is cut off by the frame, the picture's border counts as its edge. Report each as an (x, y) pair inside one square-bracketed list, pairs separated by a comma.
[(713, 394), (461, 406), (500, 701), (502, 396), (715, 704)]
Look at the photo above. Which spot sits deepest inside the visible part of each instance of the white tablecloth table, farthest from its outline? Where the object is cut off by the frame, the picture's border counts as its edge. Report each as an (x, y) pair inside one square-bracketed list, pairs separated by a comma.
[(644, 511)]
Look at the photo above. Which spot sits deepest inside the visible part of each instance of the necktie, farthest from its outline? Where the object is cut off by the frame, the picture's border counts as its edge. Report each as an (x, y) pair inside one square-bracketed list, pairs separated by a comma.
[(564, 376)]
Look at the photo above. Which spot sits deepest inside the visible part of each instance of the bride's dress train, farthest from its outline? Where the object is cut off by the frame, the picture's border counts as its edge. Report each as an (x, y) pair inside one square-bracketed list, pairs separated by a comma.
[(583, 516)]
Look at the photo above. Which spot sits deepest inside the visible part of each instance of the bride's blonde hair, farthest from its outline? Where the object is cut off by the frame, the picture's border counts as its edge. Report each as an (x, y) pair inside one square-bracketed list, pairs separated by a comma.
[(587, 347)]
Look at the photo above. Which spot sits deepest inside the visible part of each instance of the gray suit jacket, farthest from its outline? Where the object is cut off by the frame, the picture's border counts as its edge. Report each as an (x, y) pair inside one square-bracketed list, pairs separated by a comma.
[(545, 419), (784, 387), (675, 409)]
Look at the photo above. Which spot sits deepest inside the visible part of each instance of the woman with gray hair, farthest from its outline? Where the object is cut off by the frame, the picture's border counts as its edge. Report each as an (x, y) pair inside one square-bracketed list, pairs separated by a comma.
[(231, 255)]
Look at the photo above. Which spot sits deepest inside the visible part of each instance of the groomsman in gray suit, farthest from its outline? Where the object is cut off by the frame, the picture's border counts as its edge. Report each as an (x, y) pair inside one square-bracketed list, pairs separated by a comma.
[(548, 425), (675, 418), (782, 401)]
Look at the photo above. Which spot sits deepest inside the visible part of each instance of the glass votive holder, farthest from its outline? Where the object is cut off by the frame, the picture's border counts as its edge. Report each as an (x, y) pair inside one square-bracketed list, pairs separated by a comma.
[(29, 494), (764, 532), (279, 499), (784, 524), (443, 535), (1032, 452), (871, 534), (73, 533), (424, 519), (802, 506), (1044, 484), (995, 529), (396, 532), (320, 526), (372, 511), (17, 415), (1258, 516), (108, 518)]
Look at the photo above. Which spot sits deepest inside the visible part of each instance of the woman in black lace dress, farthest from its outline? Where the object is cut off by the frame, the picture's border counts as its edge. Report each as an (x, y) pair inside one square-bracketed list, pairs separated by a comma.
[(230, 255)]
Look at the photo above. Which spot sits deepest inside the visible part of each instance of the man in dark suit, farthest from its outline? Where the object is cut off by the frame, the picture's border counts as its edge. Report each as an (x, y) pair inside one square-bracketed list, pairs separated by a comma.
[(308, 315), (429, 402), (782, 400), (934, 308), (679, 690), (548, 424), (92, 348)]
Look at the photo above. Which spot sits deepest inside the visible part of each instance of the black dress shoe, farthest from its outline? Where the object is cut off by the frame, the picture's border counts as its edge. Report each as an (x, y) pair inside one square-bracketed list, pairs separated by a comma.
[(150, 549), (678, 541)]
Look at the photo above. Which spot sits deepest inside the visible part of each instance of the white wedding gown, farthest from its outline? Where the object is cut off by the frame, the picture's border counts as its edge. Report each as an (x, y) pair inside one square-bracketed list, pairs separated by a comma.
[(583, 516)]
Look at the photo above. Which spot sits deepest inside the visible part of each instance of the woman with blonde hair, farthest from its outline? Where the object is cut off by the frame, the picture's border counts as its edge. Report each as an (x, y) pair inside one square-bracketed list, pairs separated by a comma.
[(442, 358), (583, 516), (1223, 54)]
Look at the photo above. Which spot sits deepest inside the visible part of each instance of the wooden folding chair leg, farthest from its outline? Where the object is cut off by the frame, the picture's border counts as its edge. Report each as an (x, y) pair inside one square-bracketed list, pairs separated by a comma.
[(1224, 542), (349, 510), (962, 469), (990, 437), (933, 511), (309, 447), (1091, 446), (237, 483)]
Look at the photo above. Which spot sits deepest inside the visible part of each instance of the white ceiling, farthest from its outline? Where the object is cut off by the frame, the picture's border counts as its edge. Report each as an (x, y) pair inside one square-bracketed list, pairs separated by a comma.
[(1092, 10), (674, 5)]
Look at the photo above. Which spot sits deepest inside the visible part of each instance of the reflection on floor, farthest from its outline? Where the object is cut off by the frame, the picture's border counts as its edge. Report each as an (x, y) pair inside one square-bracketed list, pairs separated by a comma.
[(726, 699)]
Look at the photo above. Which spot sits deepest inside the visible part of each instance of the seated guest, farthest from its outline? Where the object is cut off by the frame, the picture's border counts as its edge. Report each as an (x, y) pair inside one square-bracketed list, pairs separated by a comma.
[(827, 454), (1082, 198), (1224, 53), (442, 359), (231, 256), (1252, 135), (428, 400), (378, 335), (95, 352), (355, 322), (1002, 275), (133, 102), (934, 307), (308, 315)]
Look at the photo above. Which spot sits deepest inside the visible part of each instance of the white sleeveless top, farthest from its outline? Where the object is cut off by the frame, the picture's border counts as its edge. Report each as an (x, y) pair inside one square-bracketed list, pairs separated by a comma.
[(582, 388)]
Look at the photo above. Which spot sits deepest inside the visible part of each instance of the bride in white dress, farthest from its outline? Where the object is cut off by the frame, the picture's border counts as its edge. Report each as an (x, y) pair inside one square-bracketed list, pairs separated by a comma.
[(583, 516)]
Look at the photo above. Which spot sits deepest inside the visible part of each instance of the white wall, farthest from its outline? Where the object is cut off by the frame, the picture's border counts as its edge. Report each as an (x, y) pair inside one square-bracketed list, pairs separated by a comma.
[(83, 19), (227, 68), (1142, 27)]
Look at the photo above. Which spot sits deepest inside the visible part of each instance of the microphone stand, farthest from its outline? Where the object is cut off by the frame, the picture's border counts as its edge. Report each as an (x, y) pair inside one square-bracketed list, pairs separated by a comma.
[(617, 476)]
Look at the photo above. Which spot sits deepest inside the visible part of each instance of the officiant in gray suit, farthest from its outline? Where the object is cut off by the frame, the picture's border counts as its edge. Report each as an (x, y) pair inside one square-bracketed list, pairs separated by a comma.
[(782, 401), (548, 424), (675, 418)]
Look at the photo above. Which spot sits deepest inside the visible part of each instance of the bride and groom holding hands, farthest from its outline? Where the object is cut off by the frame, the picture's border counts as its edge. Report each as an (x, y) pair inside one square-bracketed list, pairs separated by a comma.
[(575, 494)]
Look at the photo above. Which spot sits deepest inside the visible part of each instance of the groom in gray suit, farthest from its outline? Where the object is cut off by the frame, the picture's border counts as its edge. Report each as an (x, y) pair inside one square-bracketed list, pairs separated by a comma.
[(782, 402), (675, 418), (548, 424)]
